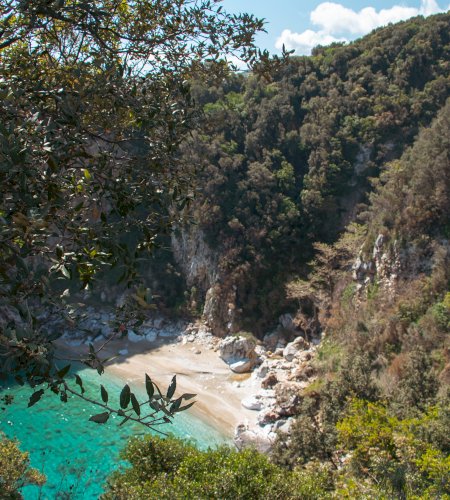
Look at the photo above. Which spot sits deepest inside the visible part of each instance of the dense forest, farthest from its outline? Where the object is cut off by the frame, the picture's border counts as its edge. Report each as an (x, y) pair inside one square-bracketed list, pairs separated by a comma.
[(285, 160), (328, 185), (322, 189)]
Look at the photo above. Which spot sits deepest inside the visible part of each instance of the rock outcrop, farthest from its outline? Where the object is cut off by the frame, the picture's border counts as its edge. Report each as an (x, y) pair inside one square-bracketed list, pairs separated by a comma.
[(239, 353), (293, 348), (279, 383), (199, 266)]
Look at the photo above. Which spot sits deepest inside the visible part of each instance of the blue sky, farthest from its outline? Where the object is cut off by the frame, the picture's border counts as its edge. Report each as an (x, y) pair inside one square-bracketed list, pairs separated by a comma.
[(303, 24)]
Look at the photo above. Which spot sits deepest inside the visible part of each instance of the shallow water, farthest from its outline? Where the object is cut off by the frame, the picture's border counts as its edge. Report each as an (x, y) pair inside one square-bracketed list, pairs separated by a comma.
[(77, 455)]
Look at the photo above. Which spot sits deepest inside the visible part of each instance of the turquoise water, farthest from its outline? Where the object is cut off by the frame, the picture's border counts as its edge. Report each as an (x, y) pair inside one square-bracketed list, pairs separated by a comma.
[(77, 455)]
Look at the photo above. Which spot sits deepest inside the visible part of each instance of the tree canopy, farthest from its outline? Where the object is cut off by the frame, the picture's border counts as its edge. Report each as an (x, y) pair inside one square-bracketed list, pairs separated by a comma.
[(94, 103)]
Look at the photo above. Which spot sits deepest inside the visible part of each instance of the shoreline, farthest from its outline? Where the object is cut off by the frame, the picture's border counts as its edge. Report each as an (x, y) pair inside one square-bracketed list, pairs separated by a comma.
[(199, 370)]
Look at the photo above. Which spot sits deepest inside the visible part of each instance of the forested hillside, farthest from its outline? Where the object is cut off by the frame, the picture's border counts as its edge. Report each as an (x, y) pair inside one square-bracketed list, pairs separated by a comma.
[(284, 161), (326, 191), (317, 225)]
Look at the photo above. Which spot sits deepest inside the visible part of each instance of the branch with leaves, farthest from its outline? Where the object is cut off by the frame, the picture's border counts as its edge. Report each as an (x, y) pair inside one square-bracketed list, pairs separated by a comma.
[(95, 100), (157, 409)]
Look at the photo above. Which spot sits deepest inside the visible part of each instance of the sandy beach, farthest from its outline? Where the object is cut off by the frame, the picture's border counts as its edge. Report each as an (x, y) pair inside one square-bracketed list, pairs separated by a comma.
[(199, 370)]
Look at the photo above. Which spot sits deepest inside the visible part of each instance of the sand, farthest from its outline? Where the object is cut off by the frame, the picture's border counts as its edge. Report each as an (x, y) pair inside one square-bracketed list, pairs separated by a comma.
[(219, 391)]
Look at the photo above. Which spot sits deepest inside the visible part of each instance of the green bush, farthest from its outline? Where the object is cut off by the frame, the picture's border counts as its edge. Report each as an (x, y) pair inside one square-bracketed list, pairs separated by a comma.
[(172, 469), (391, 454), (15, 470)]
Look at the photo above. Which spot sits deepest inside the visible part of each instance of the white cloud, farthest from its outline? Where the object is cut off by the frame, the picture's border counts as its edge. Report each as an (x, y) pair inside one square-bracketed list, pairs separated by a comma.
[(338, 23), (240, 65), (304, 42)]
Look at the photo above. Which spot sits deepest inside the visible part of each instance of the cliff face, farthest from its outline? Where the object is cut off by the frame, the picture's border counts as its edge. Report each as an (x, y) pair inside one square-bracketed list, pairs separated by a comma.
[(199, 264), (195, 258)]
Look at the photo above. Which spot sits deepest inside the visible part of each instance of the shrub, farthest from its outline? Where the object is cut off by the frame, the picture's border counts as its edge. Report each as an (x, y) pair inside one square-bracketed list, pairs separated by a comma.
[(15, 470), (418, 384), (391, 455), (172, 469)]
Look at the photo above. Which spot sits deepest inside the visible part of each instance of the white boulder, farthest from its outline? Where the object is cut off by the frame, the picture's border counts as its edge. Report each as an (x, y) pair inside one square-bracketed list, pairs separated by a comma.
[(252, 403), (242, 366), (294, 347), (133, 337), (234, 348)]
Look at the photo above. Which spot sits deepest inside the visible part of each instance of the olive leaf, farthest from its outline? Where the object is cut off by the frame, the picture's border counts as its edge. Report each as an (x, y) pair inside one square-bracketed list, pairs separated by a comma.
[(172, 387), (104, 394), (35, 397), (100, 418), (149, 386), (125, 396), (135, 404)]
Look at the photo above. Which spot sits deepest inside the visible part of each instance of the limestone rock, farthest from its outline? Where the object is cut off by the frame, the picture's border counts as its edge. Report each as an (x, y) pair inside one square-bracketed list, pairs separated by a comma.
[(283, 425), (292, 348), (286, 425), (287, 322), (260, 438), (302, 373), (219, 311), (270, 381), (288, 398), (252, 403), (279, 351), (158, 323), (168, 333), (271, 340), (268, 416), (232, 349), (262, 370), (150, 335), (243, 366), (133, 337)]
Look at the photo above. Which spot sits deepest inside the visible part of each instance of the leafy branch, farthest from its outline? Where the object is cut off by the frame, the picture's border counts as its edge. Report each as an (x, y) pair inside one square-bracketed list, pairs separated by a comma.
[(157, 408)]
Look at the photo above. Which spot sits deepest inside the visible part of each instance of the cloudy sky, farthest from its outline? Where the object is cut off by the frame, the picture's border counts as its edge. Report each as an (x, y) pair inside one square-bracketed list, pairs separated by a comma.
[(303, 24)]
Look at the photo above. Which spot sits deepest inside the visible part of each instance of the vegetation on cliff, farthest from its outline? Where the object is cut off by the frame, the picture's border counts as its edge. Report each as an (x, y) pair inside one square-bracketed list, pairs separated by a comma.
[(94, 104), (375, 425), (326, 181), (386, 321), (336, 171), (284, 162)]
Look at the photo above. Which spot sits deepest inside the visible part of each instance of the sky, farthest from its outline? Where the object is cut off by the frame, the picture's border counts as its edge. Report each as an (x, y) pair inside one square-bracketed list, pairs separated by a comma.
[(303, 24)]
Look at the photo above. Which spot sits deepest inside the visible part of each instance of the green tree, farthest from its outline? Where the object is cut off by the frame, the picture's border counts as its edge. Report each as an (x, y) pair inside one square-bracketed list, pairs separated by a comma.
[(15, 470), (390, 453), (95, 100), (173, 469)]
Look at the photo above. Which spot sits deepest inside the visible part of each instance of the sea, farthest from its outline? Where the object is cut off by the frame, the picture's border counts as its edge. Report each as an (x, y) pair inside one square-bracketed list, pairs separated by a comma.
[(75, 454)]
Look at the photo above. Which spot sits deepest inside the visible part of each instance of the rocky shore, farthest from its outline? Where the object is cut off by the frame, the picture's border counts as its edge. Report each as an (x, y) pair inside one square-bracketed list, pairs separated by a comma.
[(261, 381)]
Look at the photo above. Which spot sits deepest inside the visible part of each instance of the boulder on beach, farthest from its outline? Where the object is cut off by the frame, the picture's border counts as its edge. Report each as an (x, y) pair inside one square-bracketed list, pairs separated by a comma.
[(233, 348), (239, 353), (252, 403), (150, 334), (260, 438), (242, 366), (299, 344)]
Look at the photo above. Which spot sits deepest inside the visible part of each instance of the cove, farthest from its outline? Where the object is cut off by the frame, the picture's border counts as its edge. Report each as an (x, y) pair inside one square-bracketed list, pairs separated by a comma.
[(77, 455)]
